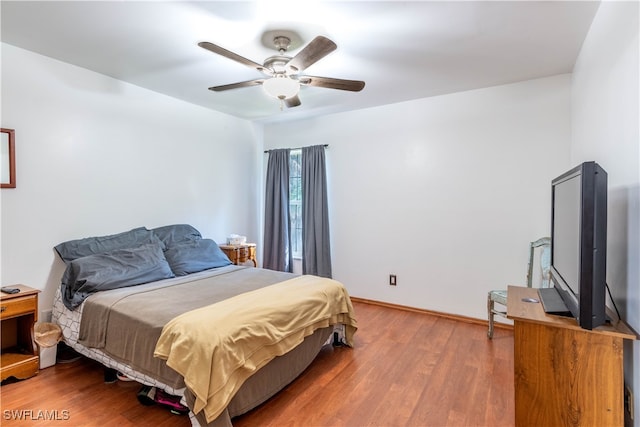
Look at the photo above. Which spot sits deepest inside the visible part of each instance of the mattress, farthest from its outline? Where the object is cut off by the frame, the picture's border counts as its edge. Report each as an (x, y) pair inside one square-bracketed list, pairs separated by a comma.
[(72, 326)]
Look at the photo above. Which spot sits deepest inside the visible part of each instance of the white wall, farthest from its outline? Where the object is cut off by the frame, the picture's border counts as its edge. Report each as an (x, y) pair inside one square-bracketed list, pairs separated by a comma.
[(445, 192), (606, 128), (98, 156)]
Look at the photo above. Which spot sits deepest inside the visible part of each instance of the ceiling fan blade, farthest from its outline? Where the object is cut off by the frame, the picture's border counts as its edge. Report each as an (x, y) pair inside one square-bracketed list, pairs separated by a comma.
[(317, 49), (331, 83), (234, 56), (294, 101), (247, 83)]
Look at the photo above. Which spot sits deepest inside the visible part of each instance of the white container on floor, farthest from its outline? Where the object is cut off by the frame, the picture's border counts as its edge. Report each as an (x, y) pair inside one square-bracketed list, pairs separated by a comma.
[(48, 356)]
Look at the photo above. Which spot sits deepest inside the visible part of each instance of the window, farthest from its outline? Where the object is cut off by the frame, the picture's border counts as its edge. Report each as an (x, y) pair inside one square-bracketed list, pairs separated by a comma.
[(295, 201)]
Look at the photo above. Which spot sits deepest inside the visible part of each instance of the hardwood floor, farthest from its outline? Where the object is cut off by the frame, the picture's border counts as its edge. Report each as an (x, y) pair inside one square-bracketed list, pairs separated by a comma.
[(406, 369)]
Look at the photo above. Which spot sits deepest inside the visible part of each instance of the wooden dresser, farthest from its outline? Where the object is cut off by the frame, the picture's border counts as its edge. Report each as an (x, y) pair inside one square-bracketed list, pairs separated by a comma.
[(18, 354), (564, 375)]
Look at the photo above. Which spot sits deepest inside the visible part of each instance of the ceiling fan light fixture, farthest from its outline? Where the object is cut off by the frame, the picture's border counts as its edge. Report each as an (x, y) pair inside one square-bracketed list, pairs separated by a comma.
[(281, 87), (283, 79)]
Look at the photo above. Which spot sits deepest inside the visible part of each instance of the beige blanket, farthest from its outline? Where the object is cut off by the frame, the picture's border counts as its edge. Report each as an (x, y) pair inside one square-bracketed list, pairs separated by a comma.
[(216, 348)]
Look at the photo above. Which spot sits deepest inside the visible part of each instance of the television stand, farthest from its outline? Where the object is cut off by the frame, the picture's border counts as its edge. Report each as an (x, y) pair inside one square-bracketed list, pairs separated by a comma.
[(552, 302), (564, 375)]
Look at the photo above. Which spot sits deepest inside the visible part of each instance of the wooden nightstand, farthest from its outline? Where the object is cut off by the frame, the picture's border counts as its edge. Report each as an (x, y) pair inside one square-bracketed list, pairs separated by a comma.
[(239, 254), (18, 353)]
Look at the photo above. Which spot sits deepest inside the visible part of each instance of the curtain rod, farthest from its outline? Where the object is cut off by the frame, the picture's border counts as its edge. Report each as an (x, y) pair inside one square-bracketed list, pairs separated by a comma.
[(268, 151)]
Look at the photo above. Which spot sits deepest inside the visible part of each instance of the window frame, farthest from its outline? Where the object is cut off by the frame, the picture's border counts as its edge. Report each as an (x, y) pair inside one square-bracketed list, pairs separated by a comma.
[(295, 201)]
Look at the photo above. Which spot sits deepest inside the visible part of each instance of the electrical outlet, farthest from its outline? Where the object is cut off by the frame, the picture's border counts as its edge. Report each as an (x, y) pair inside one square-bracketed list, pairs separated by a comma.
[(628, 401), (392, 280)]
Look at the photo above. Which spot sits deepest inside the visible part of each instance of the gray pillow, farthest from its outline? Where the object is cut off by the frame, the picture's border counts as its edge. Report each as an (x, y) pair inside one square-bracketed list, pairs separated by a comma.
[(79, 248), (197, 255), (177, 233), (111, 270)]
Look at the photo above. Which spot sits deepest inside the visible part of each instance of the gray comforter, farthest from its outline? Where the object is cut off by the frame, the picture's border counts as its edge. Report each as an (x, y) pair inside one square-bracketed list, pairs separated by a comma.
[(126, 323)]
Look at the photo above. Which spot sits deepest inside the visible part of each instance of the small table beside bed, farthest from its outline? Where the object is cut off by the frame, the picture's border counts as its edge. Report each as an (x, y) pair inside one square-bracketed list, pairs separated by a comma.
[(168, 309)]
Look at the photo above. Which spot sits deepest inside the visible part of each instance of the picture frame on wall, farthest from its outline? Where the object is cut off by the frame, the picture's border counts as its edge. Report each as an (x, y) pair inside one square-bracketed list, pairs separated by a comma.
[(7, 158)]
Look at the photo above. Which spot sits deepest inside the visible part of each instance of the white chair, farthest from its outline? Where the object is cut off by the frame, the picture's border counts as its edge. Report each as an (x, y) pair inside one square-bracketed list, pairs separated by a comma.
[(543, 245)]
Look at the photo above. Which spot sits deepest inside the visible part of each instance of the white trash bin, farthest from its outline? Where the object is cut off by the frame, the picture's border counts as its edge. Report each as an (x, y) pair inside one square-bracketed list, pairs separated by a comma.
[(47, 336)]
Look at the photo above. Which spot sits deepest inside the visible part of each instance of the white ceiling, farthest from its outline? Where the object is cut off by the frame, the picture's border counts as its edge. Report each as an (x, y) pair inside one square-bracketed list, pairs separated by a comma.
[(403, 50)]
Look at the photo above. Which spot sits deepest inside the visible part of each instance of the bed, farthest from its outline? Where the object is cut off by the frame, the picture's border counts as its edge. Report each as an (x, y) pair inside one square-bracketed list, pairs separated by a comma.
[(168, 309)]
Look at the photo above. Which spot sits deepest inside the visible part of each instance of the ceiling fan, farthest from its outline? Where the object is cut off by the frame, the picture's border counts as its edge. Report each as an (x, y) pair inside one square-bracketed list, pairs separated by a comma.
[(283, 73)]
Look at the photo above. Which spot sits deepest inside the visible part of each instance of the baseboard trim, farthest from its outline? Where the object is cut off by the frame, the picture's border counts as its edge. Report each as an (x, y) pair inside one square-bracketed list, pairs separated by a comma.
[(457, 317)]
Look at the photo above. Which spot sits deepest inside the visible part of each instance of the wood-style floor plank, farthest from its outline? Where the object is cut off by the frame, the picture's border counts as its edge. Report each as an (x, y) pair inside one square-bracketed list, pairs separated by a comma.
[(406, 369)]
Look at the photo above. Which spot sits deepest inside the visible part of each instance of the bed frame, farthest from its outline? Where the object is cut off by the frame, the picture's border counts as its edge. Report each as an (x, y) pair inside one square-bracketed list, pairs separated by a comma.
[(140, 283)]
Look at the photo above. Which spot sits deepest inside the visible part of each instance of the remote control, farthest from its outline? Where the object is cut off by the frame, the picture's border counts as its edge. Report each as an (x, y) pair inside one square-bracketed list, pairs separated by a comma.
[(8, 290)]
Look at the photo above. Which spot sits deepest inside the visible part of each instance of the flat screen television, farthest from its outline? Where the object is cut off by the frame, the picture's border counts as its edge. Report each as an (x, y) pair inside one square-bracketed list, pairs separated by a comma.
[(579, 242)]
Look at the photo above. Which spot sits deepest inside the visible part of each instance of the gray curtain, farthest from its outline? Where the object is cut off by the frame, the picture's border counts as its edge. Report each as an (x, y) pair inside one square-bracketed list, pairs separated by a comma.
[(277, 228), (316, 250)]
